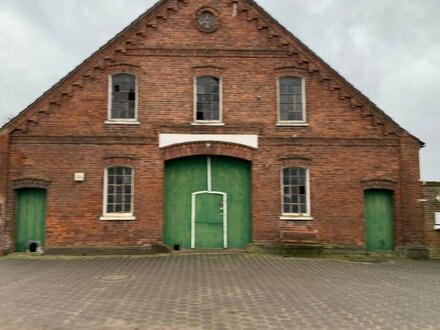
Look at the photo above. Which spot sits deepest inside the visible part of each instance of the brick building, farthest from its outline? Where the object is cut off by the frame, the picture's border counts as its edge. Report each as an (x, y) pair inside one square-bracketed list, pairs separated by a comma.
[(431, 202), (205, 124)]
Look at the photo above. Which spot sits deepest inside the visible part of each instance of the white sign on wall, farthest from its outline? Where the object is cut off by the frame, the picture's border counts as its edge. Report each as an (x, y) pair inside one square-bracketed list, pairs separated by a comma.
[(437, 221)]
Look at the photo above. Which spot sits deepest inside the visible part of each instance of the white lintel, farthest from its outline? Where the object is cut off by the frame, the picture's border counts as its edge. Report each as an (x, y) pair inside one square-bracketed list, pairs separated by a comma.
[(166, 140)]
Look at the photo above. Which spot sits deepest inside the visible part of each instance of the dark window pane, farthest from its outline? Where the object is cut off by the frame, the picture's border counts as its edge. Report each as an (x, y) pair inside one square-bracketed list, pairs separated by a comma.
[(290, 99), (286, 98), (294, 116), (208, 98)]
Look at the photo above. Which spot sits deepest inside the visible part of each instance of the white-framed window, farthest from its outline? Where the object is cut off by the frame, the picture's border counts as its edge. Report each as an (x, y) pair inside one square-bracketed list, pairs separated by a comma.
[(118, 193), (122, 99), (295, 201), (208, 95), (291, 101)]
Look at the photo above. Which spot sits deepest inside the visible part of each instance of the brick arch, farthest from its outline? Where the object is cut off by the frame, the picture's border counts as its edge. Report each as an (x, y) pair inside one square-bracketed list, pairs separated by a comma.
[(379, 183), (208, 148), (124, 68), (30, 183)]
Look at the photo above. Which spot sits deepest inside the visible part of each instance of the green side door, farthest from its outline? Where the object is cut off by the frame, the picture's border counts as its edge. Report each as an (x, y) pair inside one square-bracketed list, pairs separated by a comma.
[(30, 217), (209, 221), (379, 220), (207, 203)]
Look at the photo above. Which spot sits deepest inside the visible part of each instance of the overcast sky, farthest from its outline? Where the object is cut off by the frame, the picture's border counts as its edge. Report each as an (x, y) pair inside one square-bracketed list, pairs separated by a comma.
[(388, 49)]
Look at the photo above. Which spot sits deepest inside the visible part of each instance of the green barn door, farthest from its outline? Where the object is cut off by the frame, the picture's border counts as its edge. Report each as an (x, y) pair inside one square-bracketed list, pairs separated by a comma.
[(379, 220), (207, 203), (30, 221)]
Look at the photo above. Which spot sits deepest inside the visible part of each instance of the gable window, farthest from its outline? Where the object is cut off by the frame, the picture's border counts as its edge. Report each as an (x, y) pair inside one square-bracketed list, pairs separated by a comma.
[(291, 105), (295, 192), (208, 93), (123, 98), (118, 193)]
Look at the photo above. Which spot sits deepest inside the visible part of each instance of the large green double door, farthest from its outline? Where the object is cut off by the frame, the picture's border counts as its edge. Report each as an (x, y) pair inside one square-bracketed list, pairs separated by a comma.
[(208, 203)]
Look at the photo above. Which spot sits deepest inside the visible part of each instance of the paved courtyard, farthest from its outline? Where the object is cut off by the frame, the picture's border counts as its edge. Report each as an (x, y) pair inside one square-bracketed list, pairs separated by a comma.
[(232, 291)]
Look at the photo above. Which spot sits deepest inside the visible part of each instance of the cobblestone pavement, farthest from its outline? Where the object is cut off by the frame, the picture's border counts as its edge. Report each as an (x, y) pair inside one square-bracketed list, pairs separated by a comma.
[(232, 291)]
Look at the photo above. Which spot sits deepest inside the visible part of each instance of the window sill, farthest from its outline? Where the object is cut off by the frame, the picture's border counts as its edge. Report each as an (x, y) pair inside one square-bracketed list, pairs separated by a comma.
[(207, 123), (297, 217), (117, 218), (287, 124), (121, 122)]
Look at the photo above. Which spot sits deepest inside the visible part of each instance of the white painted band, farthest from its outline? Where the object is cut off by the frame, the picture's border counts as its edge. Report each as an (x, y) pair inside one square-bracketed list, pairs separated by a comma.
[(166, 140)]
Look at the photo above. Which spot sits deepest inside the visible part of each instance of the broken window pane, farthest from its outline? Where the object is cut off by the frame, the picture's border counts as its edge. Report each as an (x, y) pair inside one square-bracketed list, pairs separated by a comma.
[(123, 96), (294, 190)]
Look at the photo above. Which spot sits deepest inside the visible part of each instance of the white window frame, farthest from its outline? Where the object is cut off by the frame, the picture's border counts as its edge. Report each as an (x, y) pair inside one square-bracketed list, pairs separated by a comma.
[(296, 216), (218, 122), (121, 121), (117, 216), (302, 122)]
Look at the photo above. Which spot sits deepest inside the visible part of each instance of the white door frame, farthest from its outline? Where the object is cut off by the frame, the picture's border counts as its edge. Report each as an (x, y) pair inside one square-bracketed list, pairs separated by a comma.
[(224, 209)]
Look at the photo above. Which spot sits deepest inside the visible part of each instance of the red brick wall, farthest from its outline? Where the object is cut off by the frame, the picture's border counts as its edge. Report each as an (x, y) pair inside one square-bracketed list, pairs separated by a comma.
[(431, 205), (346, 143), (4, 145)]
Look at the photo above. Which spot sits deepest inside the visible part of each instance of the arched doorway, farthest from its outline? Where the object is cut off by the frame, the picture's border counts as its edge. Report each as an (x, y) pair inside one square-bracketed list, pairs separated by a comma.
[(207, 203)]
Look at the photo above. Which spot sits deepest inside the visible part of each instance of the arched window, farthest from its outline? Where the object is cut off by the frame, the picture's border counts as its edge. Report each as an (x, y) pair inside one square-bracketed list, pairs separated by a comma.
[(291, 105), (123, 97), (295, 193), (118, 194), (208, 94)]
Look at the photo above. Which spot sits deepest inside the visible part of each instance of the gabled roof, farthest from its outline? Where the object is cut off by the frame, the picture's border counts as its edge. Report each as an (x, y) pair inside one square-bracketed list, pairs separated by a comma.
[(317, 64)]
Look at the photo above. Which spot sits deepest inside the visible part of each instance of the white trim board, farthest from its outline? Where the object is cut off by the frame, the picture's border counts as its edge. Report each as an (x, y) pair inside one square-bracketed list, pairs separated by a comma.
[(166, 140), (437, 221)]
